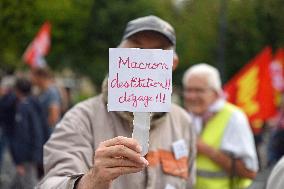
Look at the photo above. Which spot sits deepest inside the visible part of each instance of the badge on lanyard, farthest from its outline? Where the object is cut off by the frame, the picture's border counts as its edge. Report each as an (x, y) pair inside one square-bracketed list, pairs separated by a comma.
[(180, 149), (169, 186)]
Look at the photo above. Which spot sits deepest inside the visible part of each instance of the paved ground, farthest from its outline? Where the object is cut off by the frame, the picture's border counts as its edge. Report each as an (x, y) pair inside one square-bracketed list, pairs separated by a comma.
[(7, 172)]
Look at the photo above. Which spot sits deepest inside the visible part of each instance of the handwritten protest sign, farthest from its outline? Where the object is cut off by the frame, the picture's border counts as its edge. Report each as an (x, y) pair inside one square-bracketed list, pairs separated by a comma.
[(140, 80)]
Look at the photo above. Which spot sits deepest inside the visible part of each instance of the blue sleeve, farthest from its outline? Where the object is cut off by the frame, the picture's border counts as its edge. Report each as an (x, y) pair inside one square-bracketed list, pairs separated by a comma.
[(54, 97)]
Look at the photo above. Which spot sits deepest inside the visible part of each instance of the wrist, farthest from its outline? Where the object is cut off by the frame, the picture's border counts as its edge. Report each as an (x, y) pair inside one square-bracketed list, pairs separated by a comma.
[(90, 181), (84, 182)]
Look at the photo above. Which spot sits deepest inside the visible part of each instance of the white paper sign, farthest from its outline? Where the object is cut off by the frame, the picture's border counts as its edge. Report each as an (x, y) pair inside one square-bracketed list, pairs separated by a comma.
[(140, 80)]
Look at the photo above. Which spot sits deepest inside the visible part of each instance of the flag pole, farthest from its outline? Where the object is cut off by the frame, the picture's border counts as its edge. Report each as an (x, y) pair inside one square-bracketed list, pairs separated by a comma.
[(221, 62)]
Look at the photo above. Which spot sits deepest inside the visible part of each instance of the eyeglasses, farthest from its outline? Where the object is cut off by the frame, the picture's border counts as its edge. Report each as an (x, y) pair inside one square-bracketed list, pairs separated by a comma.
[(196, 90)]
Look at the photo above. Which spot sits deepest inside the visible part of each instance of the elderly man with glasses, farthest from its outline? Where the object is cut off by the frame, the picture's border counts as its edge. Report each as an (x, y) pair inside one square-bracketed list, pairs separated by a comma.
[(226, 153)]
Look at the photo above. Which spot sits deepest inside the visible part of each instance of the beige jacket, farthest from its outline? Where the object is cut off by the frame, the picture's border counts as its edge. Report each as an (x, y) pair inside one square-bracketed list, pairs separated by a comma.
[(275, 180), (68, 153)]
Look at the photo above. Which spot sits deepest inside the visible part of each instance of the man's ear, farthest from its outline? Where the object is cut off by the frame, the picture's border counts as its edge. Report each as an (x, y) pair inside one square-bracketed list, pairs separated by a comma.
[(175, 61)]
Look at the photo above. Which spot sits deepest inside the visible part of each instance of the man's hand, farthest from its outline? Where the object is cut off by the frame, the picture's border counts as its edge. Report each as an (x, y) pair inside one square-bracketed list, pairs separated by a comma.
[(224, 160), (114, 157)]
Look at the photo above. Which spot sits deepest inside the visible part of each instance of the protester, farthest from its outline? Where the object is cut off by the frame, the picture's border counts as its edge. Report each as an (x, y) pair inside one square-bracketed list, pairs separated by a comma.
[(7, 112), (27, 137), (276, 139), (7, 117), (66, 101), (87, 149), (49, 96), (274, 153), (226, 152)]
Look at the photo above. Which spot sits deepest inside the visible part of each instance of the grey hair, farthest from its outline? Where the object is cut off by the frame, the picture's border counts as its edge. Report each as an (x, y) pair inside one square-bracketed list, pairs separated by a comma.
[(209, 72)]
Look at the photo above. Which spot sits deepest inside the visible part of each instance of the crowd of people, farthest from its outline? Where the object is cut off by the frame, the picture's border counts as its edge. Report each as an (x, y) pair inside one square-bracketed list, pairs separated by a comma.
[(30, 107), (92, 148)]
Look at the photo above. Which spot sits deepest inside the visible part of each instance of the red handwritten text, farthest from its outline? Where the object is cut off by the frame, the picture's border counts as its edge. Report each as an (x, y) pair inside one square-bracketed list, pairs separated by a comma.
[(132, 98), (137, 82), (141, 65), (161, 98)]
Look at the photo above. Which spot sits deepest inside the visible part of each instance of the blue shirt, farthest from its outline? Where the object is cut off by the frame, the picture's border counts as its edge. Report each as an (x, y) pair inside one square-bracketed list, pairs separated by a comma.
[(50, 97)]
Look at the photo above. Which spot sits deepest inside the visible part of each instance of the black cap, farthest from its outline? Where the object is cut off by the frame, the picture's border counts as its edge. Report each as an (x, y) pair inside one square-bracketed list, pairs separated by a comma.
[(150, 23)]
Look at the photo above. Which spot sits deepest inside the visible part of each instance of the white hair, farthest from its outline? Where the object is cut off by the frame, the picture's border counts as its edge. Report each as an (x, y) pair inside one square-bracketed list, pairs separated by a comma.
[(210, 73)]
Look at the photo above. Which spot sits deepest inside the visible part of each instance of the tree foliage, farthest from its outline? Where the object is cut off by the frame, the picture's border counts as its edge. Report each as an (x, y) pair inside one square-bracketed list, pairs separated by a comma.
[(82, 31)]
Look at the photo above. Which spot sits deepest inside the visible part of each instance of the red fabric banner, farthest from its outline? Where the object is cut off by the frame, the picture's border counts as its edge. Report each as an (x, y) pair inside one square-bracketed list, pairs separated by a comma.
[(39, 47), (251, 89)]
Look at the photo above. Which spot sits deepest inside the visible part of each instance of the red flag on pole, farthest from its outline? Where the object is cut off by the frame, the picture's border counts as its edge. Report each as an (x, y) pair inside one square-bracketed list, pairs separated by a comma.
[(251, 89), (39, 47)]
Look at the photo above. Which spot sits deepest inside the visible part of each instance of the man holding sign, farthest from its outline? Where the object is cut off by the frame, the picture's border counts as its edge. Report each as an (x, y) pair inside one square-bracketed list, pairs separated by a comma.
[(87, 150)]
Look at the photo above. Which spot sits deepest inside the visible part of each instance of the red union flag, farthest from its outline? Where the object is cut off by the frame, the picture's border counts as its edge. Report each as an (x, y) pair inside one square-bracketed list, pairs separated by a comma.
[(251, 89), (39, 47)]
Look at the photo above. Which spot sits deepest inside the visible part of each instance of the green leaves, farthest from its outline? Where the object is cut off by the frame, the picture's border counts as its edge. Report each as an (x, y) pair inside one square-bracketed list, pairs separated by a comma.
[(82, 31)]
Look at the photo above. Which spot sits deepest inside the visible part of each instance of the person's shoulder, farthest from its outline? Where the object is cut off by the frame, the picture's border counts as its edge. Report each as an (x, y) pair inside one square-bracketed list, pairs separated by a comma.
[(50, 93), (275, 179), (53, 90), (25, 105), (182, 121), (178, 108), (232, 107), (83, 112), (90, 105), (237, 112), (22, 106), (180, 113), (25, 108), (90, 102), (279, 167), (8, 100)]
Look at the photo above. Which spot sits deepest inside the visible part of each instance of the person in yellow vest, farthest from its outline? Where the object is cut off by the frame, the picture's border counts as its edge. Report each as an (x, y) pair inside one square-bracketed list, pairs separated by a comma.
[(226, 156)]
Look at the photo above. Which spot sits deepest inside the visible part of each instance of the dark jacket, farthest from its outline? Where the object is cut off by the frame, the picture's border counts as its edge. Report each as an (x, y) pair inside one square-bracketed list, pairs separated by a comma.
[(7, 112), (27, 139)]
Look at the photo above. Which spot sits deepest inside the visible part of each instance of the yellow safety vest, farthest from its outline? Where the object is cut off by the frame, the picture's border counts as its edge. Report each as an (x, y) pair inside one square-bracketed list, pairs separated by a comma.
[(209, 174)]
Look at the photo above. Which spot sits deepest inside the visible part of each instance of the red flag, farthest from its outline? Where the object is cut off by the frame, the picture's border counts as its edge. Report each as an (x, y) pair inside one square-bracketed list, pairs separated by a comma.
[(39, 47), (251, 89)]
